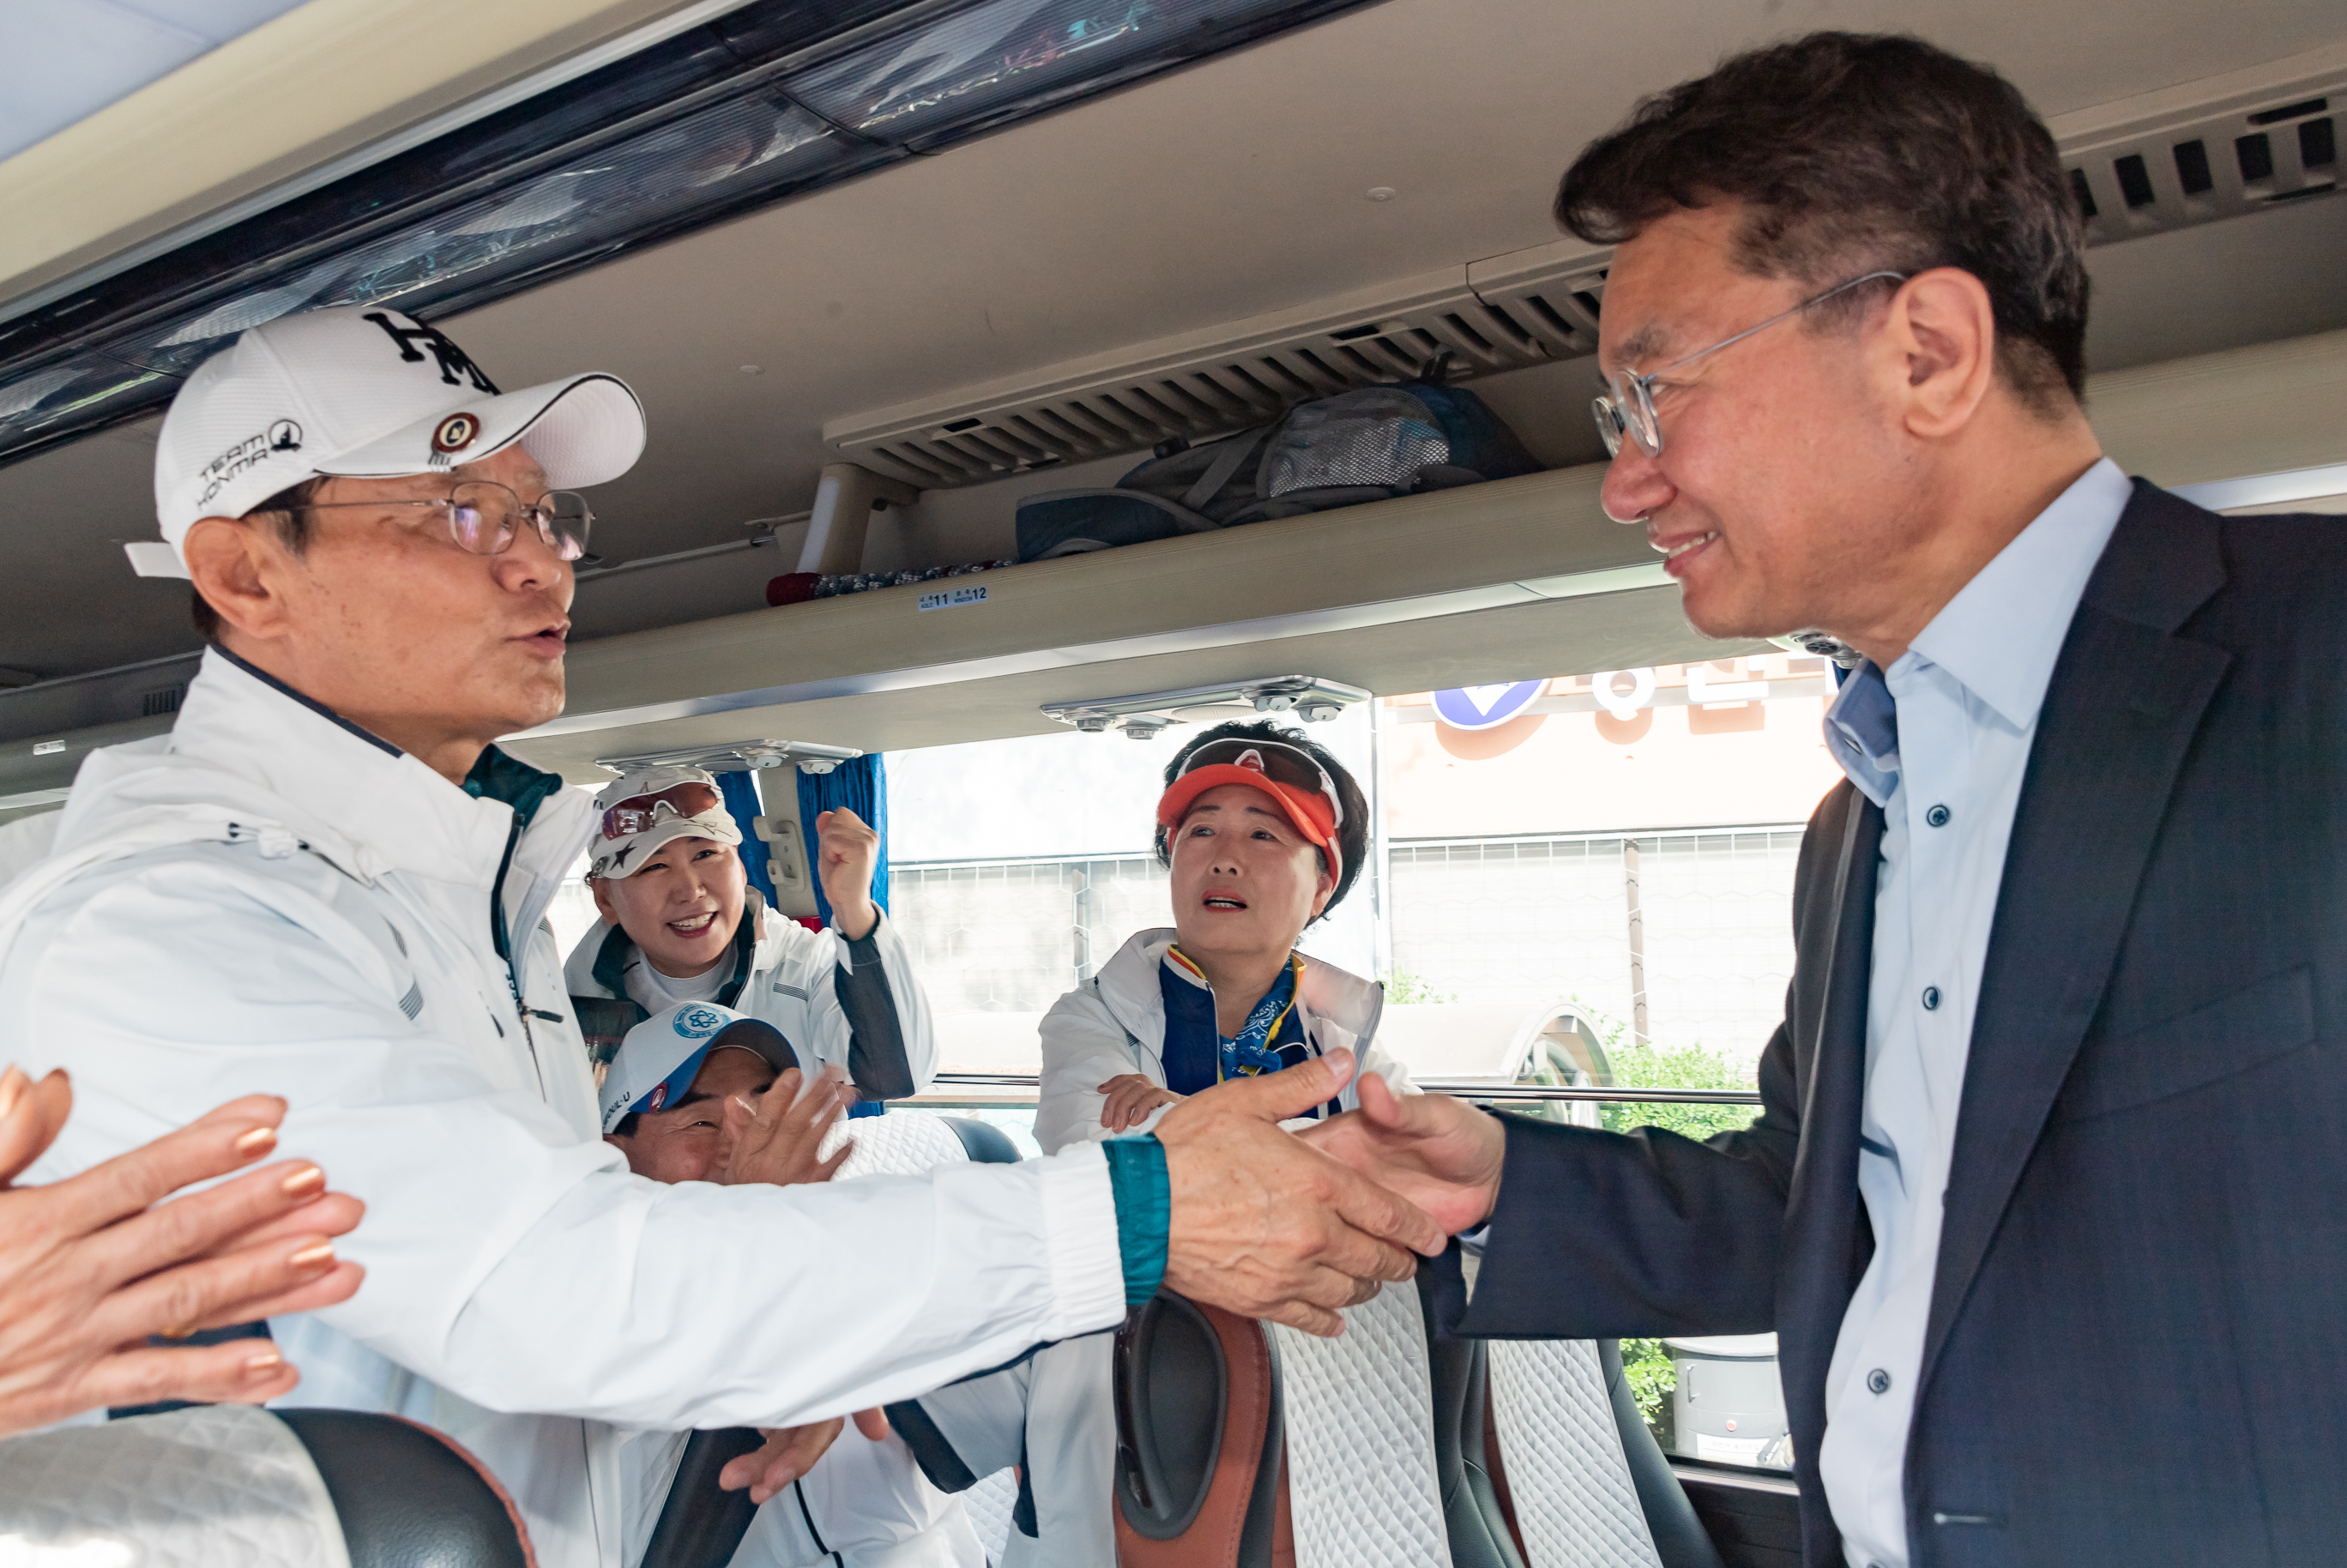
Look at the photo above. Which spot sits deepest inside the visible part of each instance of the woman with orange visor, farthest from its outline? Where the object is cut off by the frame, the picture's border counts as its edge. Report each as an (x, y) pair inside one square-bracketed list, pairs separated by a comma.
[(1264, 833)]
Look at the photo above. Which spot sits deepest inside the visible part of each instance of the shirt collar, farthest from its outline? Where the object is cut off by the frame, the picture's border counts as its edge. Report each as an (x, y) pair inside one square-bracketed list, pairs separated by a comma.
[(1999, 637)]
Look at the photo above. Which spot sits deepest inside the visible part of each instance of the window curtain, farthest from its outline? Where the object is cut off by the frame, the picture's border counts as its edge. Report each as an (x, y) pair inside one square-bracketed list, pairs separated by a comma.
[(862, 786)]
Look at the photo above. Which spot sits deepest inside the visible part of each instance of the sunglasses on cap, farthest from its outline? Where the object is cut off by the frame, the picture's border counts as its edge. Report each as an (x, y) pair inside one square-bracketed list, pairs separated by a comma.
[(638, 812), (1276, 761)]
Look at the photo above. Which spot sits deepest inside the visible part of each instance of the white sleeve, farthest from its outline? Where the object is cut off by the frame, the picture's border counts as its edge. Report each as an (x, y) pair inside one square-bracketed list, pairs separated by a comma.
[(1083, 1047), (1389, 1067), (508, 1260)]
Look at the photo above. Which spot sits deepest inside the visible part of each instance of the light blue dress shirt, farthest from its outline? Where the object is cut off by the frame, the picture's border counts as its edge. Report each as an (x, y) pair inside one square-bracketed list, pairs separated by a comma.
[(1940, 742)]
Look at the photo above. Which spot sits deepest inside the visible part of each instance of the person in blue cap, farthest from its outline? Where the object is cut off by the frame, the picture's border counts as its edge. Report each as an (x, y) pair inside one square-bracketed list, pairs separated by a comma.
[(702, 1092)]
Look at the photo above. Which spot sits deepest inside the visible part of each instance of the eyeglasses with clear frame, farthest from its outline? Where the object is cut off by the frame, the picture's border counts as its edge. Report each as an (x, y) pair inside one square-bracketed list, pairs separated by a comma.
[(484, 516), (1631, 409)]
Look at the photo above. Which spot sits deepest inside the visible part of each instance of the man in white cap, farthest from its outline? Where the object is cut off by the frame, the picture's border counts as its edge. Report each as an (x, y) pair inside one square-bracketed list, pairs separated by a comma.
[(677, 1100), (327, 883), (680, 923)]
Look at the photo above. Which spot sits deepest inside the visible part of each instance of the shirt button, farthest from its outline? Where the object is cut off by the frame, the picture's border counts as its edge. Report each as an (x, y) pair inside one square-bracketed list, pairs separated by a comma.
[(1877, 1381), (1930, 998), (1937, 817)]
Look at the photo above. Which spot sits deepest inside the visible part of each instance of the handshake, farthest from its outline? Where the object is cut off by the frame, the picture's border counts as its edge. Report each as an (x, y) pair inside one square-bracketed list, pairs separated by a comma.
[(1292, 1226)]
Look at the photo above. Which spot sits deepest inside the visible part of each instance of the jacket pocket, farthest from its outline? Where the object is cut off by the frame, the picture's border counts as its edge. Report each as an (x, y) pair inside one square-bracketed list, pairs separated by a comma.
[(2233, 1034)]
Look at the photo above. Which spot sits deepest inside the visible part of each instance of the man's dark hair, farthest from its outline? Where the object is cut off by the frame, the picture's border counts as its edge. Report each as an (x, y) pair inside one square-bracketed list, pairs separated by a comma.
[(289, 512), (1857, 152), (1352, 835)]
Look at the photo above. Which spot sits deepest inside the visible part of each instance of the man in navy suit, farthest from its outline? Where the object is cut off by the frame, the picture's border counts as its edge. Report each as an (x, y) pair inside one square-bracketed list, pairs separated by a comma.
[(2047, 1204)]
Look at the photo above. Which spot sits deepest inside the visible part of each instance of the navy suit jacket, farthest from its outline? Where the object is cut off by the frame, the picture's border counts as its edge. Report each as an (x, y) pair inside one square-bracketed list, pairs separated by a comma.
[(2133, 1355)]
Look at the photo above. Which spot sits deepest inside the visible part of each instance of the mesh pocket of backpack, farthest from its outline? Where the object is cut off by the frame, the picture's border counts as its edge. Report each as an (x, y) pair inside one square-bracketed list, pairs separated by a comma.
[(1378, 436)]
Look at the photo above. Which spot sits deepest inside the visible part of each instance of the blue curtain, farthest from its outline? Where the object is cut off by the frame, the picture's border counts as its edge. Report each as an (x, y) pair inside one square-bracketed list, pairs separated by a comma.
[(862, 786), (740, 792)]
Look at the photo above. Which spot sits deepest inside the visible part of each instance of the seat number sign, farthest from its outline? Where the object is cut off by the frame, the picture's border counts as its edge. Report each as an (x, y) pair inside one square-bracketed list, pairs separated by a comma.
[(954, 597)]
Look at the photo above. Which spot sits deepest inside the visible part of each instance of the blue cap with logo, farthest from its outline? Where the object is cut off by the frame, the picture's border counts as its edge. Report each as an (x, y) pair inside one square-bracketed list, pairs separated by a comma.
[(657, 1062)]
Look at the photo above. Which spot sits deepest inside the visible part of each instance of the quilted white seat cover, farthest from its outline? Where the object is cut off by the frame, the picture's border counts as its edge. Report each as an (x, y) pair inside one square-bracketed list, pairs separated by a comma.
[(901, 1143), (1574, 1501), (193, 1489), (989, 1503), (1360, 1440)]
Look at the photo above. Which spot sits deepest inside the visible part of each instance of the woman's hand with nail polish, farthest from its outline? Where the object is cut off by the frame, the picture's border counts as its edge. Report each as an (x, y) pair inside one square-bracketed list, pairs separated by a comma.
[(95, 1268)]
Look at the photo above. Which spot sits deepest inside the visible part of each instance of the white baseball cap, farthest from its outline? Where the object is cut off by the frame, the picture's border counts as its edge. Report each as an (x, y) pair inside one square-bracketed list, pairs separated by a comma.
[(364, 392), (660, 1058), (647, 807)]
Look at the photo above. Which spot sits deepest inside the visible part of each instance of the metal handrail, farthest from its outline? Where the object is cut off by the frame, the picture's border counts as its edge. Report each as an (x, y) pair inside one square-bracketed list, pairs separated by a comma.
[(1465, 1089)]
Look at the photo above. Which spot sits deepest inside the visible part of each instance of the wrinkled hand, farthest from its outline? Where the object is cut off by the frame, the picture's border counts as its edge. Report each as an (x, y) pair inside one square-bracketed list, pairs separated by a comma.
[(92, 1266), (1442, 1154), (1266, 1225), (789, 1452), (779, 1140), (846, 854), (1130, 1098)]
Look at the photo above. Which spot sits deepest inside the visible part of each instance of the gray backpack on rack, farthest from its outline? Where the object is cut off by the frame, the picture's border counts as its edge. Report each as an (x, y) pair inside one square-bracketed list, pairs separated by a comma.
[(1369, 444)]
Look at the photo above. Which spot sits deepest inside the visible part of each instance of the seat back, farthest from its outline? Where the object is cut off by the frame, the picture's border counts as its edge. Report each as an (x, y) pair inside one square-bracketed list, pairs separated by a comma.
[(903, 1144), (231, 1483), (1481, 1534), (1588, 1485), (408, 1496), (1362, 1462), (1199, 1482)]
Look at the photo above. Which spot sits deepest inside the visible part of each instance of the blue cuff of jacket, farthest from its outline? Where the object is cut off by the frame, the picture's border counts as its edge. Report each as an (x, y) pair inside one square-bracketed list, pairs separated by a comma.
[(1144, 1211)]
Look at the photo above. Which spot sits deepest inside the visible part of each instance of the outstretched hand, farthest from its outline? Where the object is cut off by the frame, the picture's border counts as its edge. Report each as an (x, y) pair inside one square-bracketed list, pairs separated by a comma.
[(1442, 1154), (779, 1140), (90, 1267), (1264, 1224)]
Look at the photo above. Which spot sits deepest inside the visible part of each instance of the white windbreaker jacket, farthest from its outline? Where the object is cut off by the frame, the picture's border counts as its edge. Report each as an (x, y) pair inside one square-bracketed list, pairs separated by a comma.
[(269, 900), (1114, 1023), (790, 986)]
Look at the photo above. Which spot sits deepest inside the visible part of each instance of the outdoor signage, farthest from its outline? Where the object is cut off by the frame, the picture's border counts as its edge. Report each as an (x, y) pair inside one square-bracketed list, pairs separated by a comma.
[(1484, 707)]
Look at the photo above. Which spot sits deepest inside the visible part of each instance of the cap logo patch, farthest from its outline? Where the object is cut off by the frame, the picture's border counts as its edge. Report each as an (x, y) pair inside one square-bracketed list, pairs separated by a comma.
[(451, 361), (217, 472), (698, 1022), (285, 436), (455, 433), (657, 1097)]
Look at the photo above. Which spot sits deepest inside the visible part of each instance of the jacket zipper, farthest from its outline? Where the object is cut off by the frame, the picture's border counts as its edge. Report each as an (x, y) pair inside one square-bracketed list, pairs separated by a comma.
[(503, 938)]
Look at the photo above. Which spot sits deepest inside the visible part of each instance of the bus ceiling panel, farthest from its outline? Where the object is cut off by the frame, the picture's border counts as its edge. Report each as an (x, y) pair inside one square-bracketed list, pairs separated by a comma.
[(329, 88), (692, 131), (1299, 143)]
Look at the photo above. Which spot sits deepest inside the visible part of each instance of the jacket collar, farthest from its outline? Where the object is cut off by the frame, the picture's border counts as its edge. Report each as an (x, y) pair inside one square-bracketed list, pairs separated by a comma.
[(1129, 989), (614, 953), (275, 761)]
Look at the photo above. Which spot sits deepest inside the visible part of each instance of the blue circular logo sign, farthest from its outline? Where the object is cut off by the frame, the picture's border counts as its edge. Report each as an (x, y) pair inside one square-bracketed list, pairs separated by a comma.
[(1484, 707)]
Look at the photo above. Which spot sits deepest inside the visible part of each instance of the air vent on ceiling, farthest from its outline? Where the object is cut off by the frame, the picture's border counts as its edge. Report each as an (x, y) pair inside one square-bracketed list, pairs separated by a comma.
[(2232, 145), (1505, 314)]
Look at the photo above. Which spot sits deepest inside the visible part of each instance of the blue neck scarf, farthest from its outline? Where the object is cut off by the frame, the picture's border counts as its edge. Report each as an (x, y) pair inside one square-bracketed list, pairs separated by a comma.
[(1196, 1056)]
